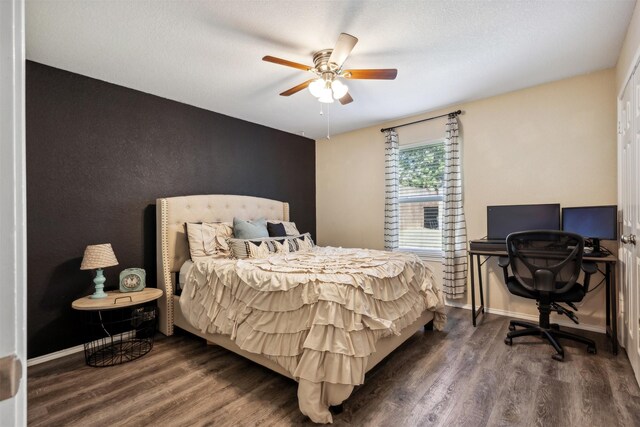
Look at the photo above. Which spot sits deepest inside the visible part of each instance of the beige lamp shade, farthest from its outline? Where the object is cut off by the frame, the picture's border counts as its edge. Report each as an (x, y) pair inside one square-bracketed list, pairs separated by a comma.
[(98, 256)]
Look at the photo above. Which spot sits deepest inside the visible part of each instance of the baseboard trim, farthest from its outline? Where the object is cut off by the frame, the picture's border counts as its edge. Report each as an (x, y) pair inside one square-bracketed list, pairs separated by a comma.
[(528, 317), (72, 350), (55, 355)]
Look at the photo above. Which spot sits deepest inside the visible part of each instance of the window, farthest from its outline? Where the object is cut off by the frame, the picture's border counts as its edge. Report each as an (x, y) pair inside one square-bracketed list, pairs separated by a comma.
[(420, 196)]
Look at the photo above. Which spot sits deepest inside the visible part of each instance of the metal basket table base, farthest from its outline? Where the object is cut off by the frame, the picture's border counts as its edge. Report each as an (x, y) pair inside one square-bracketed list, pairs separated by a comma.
[(120, 336)]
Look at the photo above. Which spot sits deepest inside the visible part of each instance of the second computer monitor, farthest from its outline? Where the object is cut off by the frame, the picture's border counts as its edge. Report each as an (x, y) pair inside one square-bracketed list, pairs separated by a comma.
[(592, 222)]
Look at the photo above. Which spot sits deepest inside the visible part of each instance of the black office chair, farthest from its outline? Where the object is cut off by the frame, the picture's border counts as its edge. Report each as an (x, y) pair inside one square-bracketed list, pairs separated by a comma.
[(546, 265)]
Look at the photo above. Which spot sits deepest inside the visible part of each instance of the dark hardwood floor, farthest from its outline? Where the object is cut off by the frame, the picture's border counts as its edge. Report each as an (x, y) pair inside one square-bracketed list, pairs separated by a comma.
[(462, 376)]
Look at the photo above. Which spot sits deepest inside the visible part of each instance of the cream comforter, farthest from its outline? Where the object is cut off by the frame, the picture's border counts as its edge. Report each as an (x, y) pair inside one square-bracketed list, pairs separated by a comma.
[(316, 313)]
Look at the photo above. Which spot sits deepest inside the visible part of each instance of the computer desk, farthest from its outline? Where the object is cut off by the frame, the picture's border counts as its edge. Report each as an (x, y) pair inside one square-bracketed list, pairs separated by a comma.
[(609, 263)]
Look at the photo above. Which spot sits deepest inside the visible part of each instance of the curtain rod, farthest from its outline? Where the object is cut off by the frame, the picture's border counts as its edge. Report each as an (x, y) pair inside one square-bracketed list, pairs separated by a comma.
[(453, 113)]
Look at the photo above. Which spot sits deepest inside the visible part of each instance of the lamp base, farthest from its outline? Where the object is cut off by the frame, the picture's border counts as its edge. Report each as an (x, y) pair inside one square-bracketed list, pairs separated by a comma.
[(99, 282), (98, 295)]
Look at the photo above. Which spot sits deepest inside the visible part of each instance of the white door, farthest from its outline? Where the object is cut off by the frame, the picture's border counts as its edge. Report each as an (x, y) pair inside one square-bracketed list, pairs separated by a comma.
[(629, 197), (12, 216)]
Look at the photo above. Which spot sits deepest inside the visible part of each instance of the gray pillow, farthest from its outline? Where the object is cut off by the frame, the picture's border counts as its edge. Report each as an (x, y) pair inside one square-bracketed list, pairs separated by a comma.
[(250, 229)]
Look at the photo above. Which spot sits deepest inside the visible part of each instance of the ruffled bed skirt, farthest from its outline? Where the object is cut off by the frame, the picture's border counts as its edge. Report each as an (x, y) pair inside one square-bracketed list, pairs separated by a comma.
[(318, 314)]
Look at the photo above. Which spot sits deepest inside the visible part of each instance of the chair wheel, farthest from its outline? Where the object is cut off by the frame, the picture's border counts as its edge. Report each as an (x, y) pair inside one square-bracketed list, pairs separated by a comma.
[(512, 327), (591, 350), (508, 341), (559, 357)]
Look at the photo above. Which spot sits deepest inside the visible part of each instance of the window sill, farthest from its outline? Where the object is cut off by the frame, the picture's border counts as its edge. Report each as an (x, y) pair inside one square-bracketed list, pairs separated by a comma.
[(425, 254)]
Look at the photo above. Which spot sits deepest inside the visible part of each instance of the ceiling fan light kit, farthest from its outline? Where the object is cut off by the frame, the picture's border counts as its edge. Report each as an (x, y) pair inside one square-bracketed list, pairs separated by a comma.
[(327, 68), (327, 90)]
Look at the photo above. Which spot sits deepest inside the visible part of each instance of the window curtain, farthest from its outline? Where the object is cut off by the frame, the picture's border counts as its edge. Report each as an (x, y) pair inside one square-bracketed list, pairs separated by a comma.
[(454, 229), (391, 153)]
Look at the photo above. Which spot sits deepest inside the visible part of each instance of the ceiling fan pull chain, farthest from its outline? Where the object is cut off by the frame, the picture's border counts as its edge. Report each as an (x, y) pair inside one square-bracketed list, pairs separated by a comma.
[(328, 128), (321, 108)]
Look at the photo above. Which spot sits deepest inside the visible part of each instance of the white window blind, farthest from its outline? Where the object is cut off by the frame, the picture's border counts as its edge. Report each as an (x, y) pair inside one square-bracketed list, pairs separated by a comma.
[(421, 171)]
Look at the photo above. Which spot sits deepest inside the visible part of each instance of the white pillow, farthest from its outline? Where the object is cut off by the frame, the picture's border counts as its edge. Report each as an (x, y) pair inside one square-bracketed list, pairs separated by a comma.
[(207, 240)]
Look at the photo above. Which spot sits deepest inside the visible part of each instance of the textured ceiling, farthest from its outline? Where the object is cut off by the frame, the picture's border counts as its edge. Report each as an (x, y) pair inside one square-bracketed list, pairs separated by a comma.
[(208, 53)]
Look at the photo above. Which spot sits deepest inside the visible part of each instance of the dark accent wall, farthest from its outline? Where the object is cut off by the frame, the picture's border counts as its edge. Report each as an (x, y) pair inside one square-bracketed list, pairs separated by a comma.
[(98, 156)]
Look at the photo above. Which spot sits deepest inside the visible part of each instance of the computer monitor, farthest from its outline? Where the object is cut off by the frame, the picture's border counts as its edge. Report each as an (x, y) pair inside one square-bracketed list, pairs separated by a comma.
[(592, 222), (506, 219)]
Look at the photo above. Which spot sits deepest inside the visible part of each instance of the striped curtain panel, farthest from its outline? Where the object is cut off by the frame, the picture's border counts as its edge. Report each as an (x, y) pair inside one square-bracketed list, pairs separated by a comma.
[(454, 229), (391, 214)]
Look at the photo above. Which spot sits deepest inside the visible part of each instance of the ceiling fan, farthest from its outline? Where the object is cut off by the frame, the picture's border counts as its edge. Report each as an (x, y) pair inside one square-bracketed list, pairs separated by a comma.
[(326, 85)]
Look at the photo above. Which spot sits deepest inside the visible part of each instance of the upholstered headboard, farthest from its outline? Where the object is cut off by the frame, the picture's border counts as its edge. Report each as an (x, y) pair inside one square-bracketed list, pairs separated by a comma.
[(172, 245)]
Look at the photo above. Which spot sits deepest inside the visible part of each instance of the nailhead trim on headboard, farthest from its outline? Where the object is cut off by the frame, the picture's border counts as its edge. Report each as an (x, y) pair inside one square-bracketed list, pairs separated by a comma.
[(166, 323)]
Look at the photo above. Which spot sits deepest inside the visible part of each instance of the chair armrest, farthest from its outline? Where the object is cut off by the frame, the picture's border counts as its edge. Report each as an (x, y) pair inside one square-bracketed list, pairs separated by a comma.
[(589, 267), (503, 262)]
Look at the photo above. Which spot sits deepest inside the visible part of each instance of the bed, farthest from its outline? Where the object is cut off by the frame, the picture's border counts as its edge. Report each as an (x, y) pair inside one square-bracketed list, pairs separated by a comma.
[(318, 388)]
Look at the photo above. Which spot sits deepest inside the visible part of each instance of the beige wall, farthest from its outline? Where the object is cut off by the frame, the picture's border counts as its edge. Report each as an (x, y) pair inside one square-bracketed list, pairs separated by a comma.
[(630, 50), (553, 143)]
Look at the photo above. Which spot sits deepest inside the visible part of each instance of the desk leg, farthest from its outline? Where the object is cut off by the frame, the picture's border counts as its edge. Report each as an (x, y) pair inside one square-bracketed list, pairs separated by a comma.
[(473, 292), (480, 285), (611, 280), (607, 300)]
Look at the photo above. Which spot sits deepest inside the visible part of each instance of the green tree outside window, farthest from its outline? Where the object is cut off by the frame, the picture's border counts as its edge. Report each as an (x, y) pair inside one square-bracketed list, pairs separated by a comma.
[(422, 167)]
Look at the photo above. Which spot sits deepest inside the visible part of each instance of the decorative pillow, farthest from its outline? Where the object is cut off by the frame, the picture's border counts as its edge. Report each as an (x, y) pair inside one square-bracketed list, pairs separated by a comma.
[(258, 248), (262, 248), (302, 242), (276, 229), (209, 239), (289, 227), (250, 229)]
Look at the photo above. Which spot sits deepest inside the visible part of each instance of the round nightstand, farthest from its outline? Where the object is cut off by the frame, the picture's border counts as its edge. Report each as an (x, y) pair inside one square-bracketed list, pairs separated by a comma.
[(119, 327)]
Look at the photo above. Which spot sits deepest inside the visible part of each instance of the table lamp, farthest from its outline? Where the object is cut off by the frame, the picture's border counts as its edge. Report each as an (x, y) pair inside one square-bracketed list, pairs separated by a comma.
[(98, 257)]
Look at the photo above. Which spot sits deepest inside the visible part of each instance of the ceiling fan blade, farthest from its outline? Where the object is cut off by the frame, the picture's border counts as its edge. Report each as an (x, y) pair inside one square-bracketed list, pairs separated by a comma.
[(296, 89), (346, 99), (374, 74), (287, 63), (343, 48)]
